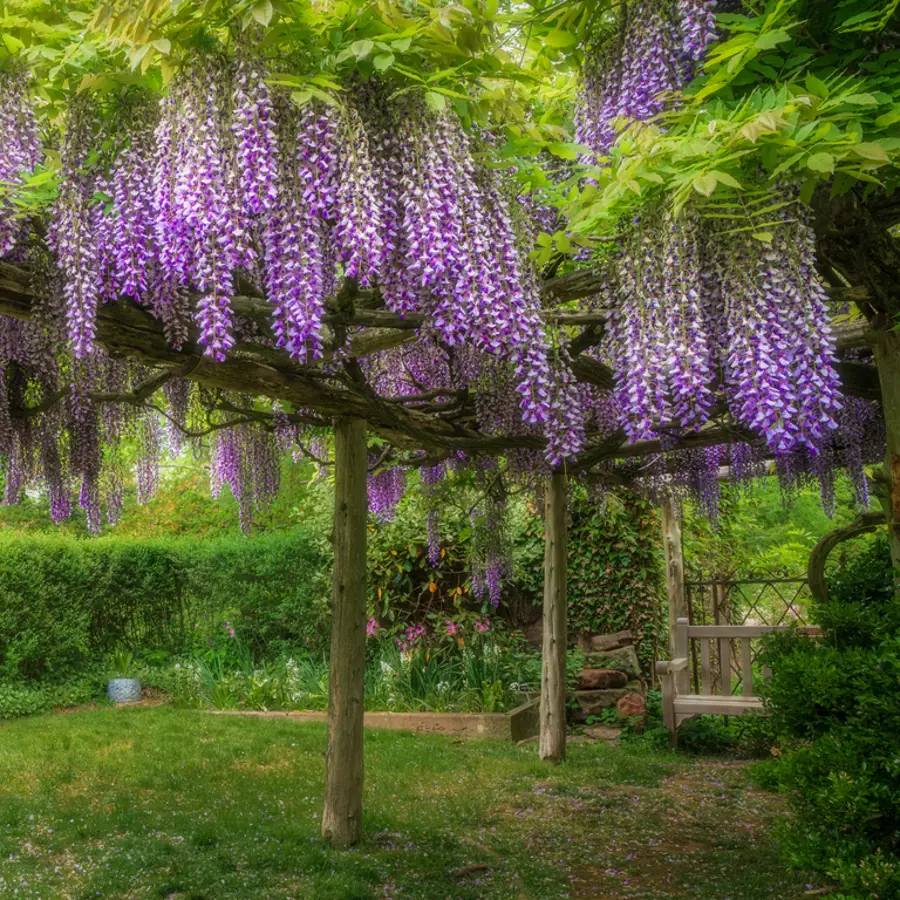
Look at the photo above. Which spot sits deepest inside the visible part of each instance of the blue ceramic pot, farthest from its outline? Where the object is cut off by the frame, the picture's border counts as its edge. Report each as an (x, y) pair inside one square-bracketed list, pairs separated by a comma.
[(124, 690)]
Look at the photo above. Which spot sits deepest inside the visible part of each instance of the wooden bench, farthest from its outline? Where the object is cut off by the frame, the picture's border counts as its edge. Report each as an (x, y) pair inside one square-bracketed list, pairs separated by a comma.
[(677, 700)]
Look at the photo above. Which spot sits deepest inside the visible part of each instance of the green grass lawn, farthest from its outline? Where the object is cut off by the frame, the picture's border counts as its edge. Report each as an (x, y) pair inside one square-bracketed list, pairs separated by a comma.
[(181, 804)]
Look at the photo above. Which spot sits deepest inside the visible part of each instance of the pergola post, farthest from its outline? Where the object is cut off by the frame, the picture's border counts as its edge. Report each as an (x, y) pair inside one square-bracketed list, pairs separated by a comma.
[(674, 553), (553, 661), (342, 817)]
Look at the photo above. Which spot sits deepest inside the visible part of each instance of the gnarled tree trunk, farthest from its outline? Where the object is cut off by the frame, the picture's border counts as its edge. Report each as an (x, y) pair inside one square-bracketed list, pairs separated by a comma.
[(342, 818), (553, 662), (887, 355)]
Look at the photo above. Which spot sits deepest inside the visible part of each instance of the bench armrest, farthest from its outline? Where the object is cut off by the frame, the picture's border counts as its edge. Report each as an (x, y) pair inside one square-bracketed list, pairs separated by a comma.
[(670, 667)]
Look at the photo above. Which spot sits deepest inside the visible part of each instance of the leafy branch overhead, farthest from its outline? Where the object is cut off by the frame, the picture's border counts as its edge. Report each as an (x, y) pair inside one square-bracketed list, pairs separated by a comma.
[(642, 241)]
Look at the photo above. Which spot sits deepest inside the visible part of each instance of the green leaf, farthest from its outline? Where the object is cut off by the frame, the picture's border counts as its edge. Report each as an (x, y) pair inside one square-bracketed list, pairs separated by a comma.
[(41, 177), (164, 45), (138, 54), (383, 61), (725, 178), (402, 45), (705, 184), (860, 100), (875, 152), (816, 86), (771, 39), (262, 12), (821, 162), (559, 39), (361, 49), (806, 190), (888, 119), (765, 236), (13, 44), (435, 100), (563, 151)]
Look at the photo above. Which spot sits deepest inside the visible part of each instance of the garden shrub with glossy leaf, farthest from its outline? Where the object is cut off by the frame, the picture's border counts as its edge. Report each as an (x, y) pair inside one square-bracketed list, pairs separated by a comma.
[(836, 702)]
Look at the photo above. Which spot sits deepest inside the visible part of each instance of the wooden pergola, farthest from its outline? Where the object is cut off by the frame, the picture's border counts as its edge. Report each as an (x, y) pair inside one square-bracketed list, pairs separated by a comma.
[(357, 324)]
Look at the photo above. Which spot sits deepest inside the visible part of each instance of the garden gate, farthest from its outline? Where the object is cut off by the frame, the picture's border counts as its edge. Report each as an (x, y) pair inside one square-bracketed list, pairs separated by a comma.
[(750, 601)]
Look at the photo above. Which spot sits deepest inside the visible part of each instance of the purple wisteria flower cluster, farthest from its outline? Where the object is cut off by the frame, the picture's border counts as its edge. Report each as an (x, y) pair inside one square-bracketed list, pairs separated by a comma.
[(386, 488), (227, 182), (245, 457), (699, 308), (20, 152), (72, 447), (633, 72)]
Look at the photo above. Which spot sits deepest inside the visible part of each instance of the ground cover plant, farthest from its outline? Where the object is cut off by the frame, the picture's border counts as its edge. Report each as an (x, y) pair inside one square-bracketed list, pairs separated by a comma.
[(141, 803)]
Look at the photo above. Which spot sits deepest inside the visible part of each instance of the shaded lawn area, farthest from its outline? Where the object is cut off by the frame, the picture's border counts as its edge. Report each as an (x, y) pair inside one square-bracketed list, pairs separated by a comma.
[(143, 803)]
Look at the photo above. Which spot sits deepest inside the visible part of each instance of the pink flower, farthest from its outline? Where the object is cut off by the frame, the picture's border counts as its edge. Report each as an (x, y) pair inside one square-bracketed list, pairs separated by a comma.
[(452, 628), (411, 635), (229, 630), (372, 628), (482, 624)]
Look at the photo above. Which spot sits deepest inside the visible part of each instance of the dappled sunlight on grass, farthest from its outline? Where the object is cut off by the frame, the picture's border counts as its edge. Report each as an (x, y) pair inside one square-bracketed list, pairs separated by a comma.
[(143, 803)]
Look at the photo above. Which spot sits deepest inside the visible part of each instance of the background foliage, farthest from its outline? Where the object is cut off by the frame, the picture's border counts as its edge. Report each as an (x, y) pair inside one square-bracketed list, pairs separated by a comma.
[(836, 705), (65, 604)]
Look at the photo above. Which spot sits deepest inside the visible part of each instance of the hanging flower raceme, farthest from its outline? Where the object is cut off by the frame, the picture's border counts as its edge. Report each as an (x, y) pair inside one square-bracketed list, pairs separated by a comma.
[(632, 72), (245, 458), (20, 152), (741, 318), (386, 488), (663, 358), (132, 214)]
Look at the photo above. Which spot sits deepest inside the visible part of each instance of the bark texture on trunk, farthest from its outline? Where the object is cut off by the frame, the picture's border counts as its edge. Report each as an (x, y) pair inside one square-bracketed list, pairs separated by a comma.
[(553, 663), (887, 355), (674, 551), (342, 818)]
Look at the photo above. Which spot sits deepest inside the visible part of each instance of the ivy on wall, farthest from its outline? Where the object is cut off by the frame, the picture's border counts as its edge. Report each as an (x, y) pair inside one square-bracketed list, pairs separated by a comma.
[(616, 571)]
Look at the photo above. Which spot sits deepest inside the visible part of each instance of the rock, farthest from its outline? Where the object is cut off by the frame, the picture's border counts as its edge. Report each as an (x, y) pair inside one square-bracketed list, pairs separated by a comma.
[(603, 732), (599, 679), (623, 659), (592, 703), (600, 642), (632, 706)]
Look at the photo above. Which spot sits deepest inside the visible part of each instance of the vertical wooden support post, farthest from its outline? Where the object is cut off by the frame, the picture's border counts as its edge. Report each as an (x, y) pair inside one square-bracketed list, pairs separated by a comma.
[(342, 818), (887, 356), (722, 616), (553, 660), (674, 551), (682, 649)]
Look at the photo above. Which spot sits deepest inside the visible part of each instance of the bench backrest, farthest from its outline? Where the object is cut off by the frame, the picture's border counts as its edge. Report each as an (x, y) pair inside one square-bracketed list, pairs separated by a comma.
[(723, 636)]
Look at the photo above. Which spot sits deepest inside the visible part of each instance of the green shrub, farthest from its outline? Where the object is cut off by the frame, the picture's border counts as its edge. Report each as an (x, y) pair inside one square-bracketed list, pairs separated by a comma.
[(837, 704), (65, 603)]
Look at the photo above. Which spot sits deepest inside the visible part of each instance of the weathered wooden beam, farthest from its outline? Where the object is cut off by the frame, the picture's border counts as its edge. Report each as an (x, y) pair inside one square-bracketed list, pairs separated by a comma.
[(127, 330)]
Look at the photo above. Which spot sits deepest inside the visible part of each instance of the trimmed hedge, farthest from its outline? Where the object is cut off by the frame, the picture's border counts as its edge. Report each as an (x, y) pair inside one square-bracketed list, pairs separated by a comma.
[(65, 603)]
